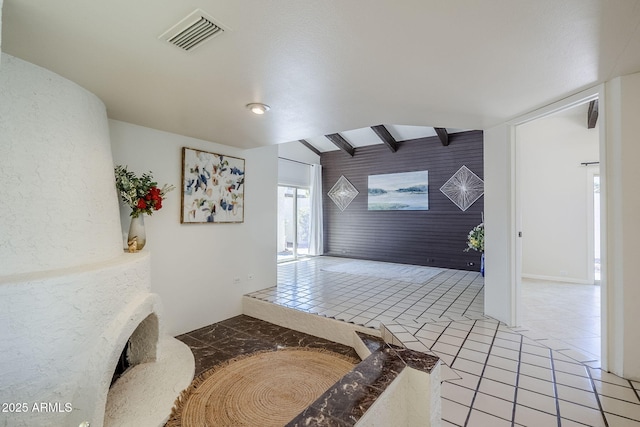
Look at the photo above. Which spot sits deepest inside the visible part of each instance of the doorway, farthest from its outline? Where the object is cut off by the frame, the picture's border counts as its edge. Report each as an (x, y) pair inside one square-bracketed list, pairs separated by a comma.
[(558, 162), (558, 224), (294, 208)]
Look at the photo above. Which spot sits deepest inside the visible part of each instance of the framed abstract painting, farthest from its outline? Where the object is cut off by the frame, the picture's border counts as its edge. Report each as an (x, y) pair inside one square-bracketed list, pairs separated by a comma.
[(212, 187)]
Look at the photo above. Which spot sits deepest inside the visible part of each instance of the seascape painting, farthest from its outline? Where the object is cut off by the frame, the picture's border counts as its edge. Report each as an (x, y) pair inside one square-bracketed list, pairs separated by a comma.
[(405, 191), (212, 187)]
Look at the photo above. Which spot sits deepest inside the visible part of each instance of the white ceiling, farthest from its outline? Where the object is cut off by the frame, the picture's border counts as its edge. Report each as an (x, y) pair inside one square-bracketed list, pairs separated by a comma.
[(327, 66)]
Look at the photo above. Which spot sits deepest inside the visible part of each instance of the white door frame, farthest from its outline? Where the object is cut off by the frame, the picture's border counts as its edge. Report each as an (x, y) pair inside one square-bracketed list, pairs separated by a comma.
[(515, 258), (592, 172)]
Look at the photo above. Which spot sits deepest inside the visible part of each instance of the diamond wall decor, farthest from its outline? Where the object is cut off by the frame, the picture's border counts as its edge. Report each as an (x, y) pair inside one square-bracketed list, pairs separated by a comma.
[(343, 193), (463, 188)]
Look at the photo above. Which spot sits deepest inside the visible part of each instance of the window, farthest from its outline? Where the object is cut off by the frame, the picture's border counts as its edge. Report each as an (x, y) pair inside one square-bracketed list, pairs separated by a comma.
[(294, 208)]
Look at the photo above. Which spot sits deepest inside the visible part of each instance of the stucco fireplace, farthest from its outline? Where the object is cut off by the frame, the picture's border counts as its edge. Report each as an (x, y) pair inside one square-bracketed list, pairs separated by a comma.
[(70, 297)]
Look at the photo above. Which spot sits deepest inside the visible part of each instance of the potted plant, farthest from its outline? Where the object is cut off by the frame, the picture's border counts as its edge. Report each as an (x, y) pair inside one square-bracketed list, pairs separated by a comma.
[(475, 241), (143, 196)]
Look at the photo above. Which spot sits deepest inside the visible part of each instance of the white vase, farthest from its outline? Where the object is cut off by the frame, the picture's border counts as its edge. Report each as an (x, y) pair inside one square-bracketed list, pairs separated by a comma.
[(137, 236)]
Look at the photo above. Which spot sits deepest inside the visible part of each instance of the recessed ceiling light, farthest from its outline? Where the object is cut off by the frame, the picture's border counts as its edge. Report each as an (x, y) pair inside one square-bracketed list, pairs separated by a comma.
[(258, 108)]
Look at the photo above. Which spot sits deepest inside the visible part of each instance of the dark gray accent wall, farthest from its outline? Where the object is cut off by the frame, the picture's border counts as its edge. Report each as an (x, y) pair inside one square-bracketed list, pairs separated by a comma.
[(436, 237)]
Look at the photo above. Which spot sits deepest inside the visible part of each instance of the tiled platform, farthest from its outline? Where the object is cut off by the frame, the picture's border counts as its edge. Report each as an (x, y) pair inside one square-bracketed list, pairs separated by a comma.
[(312, 287), (496, 376)]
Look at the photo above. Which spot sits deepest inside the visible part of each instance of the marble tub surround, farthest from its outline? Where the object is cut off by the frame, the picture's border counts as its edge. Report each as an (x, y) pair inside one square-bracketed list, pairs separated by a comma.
[(370, 344), (382, 365), (242, 335), (378, 381)]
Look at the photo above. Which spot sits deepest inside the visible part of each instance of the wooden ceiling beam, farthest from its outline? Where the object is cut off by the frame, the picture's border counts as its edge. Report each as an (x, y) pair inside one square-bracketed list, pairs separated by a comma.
[(341, 143), (592, 114), (310, 147), (443, 135), (386, 137)]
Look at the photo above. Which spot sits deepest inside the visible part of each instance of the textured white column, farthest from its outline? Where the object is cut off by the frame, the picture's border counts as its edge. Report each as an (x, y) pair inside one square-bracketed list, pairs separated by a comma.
[(70, 298), (623, 233), (59, 206)]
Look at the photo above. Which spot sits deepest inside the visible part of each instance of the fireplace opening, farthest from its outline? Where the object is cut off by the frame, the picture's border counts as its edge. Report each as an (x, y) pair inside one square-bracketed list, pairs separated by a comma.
[(141, 347), (122, 365)]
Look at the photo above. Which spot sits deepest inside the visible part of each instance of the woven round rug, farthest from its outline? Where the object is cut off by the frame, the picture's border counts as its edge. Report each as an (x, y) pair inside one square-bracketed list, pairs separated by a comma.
[(261, 389)]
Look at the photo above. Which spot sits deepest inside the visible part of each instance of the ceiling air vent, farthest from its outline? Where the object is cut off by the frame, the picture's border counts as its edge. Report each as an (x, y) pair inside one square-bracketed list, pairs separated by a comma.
[(193, 30)]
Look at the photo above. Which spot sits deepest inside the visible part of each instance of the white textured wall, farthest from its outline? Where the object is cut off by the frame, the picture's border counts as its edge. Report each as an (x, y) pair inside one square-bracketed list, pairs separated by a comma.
[(61, 345), (623, 232), (58, 196), (498, 292), (194, 266), (555, 195), (69, 297)]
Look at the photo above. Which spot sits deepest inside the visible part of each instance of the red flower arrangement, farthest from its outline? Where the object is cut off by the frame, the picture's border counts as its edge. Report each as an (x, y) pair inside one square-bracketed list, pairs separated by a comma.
[(141, 194)]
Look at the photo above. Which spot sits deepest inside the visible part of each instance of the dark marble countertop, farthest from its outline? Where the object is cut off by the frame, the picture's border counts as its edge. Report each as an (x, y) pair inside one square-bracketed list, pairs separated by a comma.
[(347, 400)]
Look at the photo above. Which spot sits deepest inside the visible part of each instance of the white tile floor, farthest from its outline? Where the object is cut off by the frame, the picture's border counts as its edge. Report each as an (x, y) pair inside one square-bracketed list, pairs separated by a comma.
[(565, 316), (493, 375)]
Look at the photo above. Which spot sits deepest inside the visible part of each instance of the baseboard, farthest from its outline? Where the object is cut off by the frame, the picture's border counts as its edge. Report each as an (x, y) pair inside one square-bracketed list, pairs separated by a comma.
[(562, 279)]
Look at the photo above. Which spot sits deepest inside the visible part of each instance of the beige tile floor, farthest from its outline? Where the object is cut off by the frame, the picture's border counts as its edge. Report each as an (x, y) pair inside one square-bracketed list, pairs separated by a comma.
[(565, 316), (493, 375)]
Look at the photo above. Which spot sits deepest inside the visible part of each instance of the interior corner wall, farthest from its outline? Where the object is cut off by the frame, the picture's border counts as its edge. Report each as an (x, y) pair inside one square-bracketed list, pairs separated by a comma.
[(555, 196), (499, 299), (623, 204), (201, 271), (298, 152), (435, 237)]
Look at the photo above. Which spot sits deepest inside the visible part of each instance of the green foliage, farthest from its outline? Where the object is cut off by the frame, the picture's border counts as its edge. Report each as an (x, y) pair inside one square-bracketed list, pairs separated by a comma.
[(142, 194), (475, 239)]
